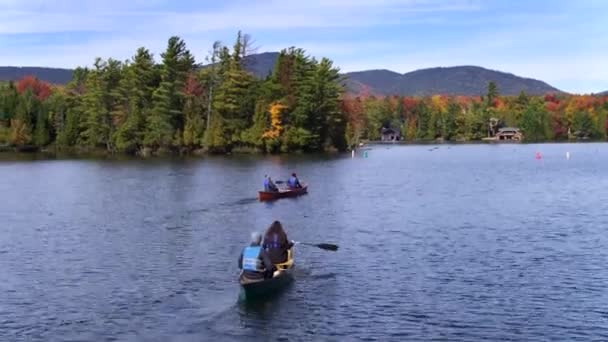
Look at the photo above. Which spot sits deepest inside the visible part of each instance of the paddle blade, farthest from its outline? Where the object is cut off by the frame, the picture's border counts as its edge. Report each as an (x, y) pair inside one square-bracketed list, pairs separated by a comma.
[(328, 246), (324, 246), (279, 182)]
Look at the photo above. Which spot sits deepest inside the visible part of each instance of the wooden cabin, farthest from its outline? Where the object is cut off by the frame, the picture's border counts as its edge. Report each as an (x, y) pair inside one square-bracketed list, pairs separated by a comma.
[(389, 134), (509, 133)]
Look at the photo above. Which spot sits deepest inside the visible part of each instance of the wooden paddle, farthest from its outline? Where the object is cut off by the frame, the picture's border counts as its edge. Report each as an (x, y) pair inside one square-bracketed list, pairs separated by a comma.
[(324, 246)]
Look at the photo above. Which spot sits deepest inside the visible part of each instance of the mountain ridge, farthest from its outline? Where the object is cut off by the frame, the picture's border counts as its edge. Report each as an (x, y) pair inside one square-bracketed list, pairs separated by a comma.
[(467, 80)]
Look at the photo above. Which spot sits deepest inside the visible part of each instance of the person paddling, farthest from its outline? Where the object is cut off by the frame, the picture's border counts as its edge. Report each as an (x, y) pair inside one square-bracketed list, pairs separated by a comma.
[(269, 185), (276, 243), (293, 182), (255, 261)]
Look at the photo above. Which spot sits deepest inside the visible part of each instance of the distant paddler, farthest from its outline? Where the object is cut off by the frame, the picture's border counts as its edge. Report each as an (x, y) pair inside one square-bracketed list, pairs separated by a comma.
[(293, 182), (269, 185)]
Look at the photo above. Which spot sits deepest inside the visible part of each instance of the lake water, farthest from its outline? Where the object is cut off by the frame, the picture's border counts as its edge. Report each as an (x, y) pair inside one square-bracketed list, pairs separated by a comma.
[(463, 242)]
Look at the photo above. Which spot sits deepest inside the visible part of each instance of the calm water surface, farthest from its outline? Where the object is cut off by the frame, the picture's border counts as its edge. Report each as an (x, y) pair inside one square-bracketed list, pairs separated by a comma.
[(475, 242)]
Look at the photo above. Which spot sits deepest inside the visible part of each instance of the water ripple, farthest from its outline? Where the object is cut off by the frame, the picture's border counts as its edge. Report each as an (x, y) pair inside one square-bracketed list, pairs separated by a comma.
[(438, 246)]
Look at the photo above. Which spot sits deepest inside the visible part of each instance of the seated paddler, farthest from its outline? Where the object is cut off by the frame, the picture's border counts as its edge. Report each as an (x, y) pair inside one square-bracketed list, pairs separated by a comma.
[(255, 261), (276, 243), (269, 185), (293, 182)]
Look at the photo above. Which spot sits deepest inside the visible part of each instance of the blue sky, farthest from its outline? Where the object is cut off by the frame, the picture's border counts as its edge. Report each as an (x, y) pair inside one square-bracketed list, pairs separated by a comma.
[(562, 42)]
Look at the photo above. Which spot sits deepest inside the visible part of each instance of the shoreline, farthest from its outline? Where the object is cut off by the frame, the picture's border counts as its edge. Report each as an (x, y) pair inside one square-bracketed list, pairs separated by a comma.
[(99, 153)]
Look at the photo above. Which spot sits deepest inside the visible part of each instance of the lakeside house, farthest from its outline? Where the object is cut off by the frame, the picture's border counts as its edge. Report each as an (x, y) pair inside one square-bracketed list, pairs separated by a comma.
[(509, 133), (506, 134), (390, 134)]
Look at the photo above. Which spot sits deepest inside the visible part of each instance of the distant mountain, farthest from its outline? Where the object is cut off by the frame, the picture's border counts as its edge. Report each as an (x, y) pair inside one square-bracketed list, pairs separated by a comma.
[(261, 64), (51, 75), (374, 81), (604, 93), (460, 80)]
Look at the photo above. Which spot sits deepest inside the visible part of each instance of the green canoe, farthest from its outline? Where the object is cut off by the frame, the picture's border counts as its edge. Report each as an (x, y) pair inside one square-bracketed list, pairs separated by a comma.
[(283, 276)]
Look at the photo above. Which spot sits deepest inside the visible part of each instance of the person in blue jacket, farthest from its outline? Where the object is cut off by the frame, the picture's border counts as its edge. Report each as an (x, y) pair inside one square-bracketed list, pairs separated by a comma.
[(255, 261), (293, 182), (269, 185)]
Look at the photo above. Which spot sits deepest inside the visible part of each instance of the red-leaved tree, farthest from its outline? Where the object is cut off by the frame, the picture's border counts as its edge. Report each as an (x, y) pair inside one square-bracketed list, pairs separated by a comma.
[(40, 89)]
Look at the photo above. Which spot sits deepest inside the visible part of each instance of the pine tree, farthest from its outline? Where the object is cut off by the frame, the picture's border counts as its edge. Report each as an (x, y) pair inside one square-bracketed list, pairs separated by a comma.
[(214, 138), (69, 133), (492, 94), (233, 101), (167, 114), (9, 100), (41, 135), (327, 120), (69, 121), (98, 103), (424, 120), (302, 122), (138, 84), (534, 122), (23, 123), (255, 134), (193, 113), (450, 123)]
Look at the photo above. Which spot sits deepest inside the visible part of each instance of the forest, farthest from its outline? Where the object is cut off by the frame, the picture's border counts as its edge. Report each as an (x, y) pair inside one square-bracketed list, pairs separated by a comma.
[(551, 117), (177, 105)]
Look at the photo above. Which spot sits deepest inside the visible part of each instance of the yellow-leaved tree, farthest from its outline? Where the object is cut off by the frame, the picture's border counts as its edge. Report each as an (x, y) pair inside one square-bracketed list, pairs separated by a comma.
[(276, 123)]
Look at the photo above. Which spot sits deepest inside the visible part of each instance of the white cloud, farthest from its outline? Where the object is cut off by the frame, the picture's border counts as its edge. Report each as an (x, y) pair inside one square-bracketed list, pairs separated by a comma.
[(84, 54), (69, 15), (124, 25)]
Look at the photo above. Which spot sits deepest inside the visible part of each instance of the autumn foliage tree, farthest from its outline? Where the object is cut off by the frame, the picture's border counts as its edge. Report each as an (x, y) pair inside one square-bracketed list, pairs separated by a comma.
[(276, 124), (41, 90)]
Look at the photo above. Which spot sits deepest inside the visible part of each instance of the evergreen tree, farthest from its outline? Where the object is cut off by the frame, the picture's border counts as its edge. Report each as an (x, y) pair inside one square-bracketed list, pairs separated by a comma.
[(166, 116), (193, 113), (70, 131), (424, 120), (136, 89), (534, 122), (9, 100), (331, 124), (583, 124), (233, 101), (214, 137), (492, 93), (23, 122), (450, 122), (68, 121), (41, 135), (97, 103)]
